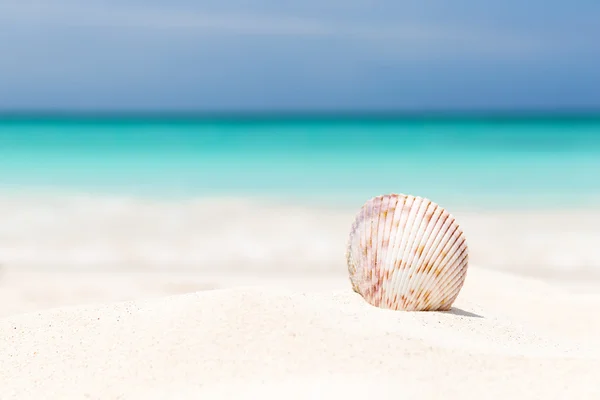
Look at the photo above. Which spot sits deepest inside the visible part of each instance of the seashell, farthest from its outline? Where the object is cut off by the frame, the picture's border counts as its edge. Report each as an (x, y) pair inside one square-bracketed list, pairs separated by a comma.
[(406, 253)]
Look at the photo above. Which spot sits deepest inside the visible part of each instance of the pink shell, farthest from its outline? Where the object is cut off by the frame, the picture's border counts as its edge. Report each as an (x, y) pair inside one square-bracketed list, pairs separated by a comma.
[(406, 253)]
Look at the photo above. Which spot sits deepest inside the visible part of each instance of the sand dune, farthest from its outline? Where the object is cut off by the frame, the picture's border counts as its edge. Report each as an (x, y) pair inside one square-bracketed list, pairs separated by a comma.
[(125, 299), (506, 337)]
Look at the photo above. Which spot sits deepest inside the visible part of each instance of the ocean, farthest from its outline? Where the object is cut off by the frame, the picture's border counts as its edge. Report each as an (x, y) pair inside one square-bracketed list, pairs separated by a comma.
[(465, 162), (251, 194)]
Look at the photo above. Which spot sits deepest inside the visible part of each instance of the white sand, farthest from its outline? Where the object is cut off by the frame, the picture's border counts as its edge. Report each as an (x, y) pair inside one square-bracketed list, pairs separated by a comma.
[(107, 299), (508, 337), (79, 233)]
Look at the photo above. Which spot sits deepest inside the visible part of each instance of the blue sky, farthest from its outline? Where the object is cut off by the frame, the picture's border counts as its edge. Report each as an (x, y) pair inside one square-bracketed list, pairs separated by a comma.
[(218, 55)]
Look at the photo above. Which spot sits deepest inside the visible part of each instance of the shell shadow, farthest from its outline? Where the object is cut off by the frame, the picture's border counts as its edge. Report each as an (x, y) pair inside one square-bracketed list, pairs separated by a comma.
[(462, 313)]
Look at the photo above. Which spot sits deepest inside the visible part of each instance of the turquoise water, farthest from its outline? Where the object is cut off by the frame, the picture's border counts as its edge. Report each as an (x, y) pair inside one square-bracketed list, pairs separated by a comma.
[(471, 162)]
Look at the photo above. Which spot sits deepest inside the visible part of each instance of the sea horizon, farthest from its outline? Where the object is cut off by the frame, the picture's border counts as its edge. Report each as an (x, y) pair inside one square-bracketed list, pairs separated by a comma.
[(302, 114), (467, 160)]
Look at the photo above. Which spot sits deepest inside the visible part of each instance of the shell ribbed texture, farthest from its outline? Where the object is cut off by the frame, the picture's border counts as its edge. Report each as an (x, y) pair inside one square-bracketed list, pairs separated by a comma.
[(406, 253)]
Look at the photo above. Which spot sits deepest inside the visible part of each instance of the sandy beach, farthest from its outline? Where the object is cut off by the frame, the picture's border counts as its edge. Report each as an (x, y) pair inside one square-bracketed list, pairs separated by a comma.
[(107, 299), (242, 200)]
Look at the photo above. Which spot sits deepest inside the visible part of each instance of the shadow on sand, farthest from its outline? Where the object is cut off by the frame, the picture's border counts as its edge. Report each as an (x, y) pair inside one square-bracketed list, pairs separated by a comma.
[(462, 313)]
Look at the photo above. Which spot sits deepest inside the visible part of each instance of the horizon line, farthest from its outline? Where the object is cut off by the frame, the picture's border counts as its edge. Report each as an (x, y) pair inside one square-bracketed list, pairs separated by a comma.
[(300, 114)]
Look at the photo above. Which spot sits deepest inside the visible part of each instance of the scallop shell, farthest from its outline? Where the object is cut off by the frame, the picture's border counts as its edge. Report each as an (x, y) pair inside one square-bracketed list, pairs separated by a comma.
[(406, 253)]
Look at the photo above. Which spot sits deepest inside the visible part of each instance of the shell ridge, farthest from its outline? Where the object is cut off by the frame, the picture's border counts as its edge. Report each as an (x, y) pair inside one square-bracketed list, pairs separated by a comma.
[(459, 285), (414, 237), (435, 234), (455, 262), (359, 236), (358, 258), (448, 288), (434, 266), (367, 269), (374, 244), (378, 247), (453, 280), (458, 277), (360, 277), (399, 229), (388, 234), (404, 245), (443, 222), (439, 266), (425, 240), (352, 248)]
